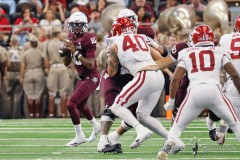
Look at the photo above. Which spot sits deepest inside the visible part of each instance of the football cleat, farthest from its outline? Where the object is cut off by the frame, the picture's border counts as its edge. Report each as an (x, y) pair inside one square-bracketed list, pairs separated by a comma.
[(141, 137), (162, 155), (94, 133), (213, 135), (177, 147), (118, 148), (76, 141), (106, 149), (221, 138)]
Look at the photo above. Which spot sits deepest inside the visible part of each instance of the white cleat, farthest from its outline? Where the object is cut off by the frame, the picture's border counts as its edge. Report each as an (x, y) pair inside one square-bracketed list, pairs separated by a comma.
[(76, 142), (141, 137), (177, 147), (162, 155), (221, 138), (94, 133)]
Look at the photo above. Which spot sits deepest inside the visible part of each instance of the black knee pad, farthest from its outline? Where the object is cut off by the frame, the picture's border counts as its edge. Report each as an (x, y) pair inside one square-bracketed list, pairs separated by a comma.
[(213, 117), (108, 112)]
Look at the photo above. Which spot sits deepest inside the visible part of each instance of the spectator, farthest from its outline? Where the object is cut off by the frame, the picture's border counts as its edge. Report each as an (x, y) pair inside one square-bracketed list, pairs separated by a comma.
[(198, 7), (49, 21), (143, 17), (95, 23), (32, 76), (168, 4), (4, 21), (4, 30), (73, 10), (64, 3), (37, 3), (101, 5), (56, 7), (14, 87), (25, 23), (83, 7), (147, 7), (12, 5)]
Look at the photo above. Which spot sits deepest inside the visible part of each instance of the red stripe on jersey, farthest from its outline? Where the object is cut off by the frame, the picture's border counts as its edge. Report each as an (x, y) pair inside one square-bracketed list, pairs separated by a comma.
[(142, 81), (139, 76), (182, 105), (229, 104)]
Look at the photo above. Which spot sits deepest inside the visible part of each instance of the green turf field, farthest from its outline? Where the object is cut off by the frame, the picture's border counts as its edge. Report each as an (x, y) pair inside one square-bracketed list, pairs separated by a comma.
[(45, 139)]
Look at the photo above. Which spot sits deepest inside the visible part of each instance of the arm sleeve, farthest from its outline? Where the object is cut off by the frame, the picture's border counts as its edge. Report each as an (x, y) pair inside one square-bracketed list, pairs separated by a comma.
[(181, 63), (226, 58), (90, 45)]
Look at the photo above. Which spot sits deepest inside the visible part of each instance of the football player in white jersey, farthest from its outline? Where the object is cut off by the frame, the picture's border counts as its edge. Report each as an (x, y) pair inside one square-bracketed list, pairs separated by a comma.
[(231, 42), (203, 64), (132, 52)]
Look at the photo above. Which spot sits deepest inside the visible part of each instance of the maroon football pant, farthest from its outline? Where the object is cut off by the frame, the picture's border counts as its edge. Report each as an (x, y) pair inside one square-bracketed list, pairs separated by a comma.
[(78, 100)]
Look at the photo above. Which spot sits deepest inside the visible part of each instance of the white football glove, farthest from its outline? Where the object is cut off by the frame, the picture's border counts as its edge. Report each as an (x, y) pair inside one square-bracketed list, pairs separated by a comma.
[(169, 105), (151, 42)]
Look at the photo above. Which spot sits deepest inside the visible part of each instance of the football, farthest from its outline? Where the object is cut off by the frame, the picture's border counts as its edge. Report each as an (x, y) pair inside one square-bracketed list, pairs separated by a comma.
[(63, 50)]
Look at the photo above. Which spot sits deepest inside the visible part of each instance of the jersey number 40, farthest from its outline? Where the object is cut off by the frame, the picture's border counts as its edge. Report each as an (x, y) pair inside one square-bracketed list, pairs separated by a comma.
[(139, 45)]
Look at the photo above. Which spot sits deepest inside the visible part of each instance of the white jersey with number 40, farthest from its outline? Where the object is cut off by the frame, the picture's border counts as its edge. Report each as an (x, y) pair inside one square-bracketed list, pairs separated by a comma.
[(231, 42), (203, 64), (133, 52)]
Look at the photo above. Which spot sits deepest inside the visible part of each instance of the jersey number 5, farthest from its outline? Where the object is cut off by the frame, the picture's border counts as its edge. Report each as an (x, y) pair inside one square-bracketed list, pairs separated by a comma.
[(201, 55), (129, 44), (235, 48)]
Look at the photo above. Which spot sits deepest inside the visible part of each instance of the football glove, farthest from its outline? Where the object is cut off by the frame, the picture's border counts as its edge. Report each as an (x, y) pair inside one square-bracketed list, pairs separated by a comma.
[(151, 42), (169, 105)]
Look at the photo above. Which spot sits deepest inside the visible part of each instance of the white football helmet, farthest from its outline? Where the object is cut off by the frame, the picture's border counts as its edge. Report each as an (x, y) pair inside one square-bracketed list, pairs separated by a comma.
[(78, 23), (128, 13)]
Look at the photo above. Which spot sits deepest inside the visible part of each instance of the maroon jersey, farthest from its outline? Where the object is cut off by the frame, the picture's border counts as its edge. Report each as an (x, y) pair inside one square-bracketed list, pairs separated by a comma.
[(86, 45)]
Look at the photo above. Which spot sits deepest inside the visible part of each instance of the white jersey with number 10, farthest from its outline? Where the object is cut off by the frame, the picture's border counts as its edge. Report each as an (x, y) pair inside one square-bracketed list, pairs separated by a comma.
[(203, 64), (133, 52)]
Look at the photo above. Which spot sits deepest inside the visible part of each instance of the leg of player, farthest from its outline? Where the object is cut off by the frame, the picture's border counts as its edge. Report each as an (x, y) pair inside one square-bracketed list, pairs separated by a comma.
[(221, 133), (106, 123), (80, 136), (89, 116), (210, 121), (114, 137)]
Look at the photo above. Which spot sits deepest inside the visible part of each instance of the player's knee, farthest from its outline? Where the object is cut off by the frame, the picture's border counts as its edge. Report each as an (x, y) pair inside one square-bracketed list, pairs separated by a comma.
[(71, 104), (114, 108), (141, 116), (107, 115), (126, 126)]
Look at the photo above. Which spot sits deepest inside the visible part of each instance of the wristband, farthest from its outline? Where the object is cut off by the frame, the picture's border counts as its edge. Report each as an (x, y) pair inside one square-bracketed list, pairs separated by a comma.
[(154, 44)]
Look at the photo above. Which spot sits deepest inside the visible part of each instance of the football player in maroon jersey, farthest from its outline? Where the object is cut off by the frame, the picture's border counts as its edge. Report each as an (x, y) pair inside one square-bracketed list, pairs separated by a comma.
[(82, 46)]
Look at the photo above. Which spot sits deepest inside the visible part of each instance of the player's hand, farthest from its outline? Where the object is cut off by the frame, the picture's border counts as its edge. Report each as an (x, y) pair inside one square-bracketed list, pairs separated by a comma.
[(169, 105), (151, 42), (70, 46)]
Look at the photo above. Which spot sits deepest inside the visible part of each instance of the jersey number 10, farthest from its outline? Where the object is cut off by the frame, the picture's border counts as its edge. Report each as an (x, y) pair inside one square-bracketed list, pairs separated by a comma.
[(201, 55), (129, 44)]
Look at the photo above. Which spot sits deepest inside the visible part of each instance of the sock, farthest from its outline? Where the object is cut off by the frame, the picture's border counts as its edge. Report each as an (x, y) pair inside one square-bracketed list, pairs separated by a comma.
[(78, 130), (210, 124), (114, 137), (125, 115), (93, 122), (103, 138), (152, 124), (223, 127)]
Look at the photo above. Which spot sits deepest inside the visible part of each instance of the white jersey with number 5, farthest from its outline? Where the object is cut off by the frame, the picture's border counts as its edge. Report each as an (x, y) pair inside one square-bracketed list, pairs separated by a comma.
[(203, 64), (133, 52), (231, 42)]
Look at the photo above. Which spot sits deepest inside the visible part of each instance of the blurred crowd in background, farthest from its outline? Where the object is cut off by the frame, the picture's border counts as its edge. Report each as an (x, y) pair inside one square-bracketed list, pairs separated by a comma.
[(29, 26)]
